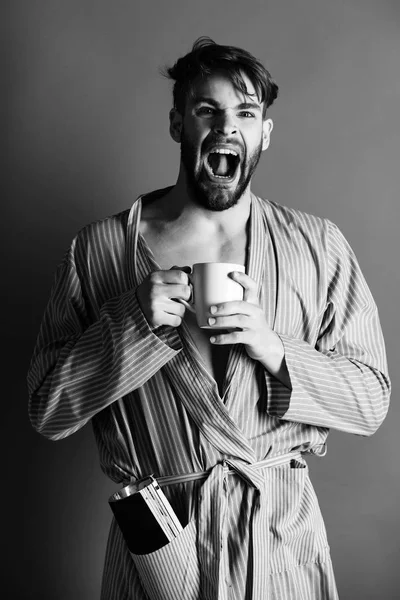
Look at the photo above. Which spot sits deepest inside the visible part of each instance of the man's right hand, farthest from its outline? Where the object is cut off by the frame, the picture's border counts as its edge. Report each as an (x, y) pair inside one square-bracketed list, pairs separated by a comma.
[(155, 296)]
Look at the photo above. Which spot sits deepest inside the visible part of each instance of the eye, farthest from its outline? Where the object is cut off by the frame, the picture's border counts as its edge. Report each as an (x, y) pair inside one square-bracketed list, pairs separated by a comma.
[(205, 111), (247, 114)]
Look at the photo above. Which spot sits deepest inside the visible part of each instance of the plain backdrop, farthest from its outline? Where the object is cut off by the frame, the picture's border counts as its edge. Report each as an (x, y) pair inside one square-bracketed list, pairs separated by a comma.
[(85, 115)]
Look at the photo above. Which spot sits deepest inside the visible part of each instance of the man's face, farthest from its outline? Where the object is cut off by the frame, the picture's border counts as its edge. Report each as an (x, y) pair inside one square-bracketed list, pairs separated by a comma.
[(222, 137)]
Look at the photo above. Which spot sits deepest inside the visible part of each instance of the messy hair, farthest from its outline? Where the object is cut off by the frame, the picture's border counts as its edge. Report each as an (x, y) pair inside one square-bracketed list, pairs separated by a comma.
[(205, 58)]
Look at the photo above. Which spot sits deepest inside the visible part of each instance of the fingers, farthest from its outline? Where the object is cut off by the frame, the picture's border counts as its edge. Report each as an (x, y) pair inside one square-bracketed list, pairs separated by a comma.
[(166, 312), (170, 284), (173, 313), (233, 337), (174, 307), (233, 308), (174, 291), (188, 271), (172, 320), (155, 296), (231, 322), (164, 318), (171, 276)]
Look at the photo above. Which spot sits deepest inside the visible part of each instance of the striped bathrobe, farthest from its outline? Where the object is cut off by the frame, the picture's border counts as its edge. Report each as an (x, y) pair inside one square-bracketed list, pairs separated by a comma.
[(254, 531)]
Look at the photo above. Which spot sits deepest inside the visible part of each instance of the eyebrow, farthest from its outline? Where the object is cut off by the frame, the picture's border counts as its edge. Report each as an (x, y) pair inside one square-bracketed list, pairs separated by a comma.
[(215, 103)]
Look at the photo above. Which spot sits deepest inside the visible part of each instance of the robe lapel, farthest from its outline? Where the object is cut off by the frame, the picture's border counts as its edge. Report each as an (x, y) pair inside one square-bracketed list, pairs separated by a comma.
[(261, 266), (255, 270), (138, 264), (270, 288)]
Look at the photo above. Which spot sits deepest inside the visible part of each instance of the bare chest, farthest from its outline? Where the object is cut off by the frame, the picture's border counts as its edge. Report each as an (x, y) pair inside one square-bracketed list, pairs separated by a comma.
[(169, 252)]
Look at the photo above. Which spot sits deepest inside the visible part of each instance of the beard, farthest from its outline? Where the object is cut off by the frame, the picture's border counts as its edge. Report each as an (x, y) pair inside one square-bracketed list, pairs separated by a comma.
[(208, 194)]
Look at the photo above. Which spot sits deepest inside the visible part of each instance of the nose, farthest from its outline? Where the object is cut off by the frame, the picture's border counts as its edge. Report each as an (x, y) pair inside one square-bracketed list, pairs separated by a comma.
[(225, 124)]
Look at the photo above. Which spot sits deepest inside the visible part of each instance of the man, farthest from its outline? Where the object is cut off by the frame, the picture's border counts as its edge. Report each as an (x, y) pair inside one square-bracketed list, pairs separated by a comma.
[(226, 414)]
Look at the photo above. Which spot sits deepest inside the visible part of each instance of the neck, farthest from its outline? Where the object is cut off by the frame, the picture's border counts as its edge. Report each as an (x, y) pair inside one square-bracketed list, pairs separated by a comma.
[(179, 205)]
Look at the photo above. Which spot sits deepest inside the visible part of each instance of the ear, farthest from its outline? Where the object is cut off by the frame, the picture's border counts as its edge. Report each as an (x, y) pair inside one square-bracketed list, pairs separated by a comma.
[(266, 136), (175, 125)]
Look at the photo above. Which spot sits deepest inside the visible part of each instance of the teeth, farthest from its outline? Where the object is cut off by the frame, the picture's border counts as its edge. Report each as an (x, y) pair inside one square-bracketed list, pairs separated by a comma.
[(224, 151)]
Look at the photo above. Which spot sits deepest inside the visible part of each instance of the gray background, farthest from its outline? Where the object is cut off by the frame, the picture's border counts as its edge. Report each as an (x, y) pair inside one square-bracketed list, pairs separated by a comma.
[(86, 116)]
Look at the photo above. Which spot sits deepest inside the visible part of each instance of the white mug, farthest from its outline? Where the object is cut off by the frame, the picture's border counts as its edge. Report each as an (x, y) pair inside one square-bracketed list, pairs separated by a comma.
[(211, 285)]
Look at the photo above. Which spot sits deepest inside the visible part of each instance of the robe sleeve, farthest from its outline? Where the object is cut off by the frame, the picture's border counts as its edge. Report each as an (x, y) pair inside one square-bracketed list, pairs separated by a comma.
[(82, 364), (342, 382)]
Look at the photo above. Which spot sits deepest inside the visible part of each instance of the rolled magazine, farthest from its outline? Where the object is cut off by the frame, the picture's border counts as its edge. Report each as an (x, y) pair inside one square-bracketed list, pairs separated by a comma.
[(145, 516)]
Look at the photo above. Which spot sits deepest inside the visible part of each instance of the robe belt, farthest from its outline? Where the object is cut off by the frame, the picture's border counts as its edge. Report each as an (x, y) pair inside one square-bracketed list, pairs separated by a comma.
[(213, 526)]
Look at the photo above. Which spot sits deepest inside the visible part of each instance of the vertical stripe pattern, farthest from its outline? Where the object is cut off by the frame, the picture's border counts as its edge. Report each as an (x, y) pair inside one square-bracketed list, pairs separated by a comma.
[(154, 407)]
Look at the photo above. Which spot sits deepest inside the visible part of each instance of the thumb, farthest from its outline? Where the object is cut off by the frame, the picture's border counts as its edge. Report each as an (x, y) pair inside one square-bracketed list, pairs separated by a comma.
[(250, 286)]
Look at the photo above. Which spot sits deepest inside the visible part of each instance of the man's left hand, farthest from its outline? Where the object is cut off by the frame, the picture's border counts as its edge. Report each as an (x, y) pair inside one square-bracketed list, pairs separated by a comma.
[(250, 328)]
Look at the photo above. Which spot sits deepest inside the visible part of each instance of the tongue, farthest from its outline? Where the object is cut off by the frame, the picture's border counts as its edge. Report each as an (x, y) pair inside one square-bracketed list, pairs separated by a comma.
[(219, 164)]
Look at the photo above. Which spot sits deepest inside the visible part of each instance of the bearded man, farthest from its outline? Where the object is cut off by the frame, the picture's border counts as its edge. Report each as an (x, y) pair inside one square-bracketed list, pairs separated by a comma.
[(224, 416)]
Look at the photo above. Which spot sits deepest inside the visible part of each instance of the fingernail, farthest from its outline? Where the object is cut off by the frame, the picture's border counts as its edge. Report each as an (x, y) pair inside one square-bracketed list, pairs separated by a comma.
[(213, 309), (211, 321), (212, 339)]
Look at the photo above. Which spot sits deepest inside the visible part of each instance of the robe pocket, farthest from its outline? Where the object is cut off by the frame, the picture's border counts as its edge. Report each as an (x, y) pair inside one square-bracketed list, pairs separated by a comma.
[(297, 530), (173, 571)]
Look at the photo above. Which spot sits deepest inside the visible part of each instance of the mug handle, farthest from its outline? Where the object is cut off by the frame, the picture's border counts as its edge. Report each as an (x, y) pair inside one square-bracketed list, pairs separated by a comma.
[(185, 303)]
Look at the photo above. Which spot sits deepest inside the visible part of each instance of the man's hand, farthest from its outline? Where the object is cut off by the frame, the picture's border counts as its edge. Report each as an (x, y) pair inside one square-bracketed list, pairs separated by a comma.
[(155, 296), (250, 328)]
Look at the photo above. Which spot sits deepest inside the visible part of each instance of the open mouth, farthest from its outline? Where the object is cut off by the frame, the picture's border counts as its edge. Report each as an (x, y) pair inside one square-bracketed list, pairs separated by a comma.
[(222, 164)]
